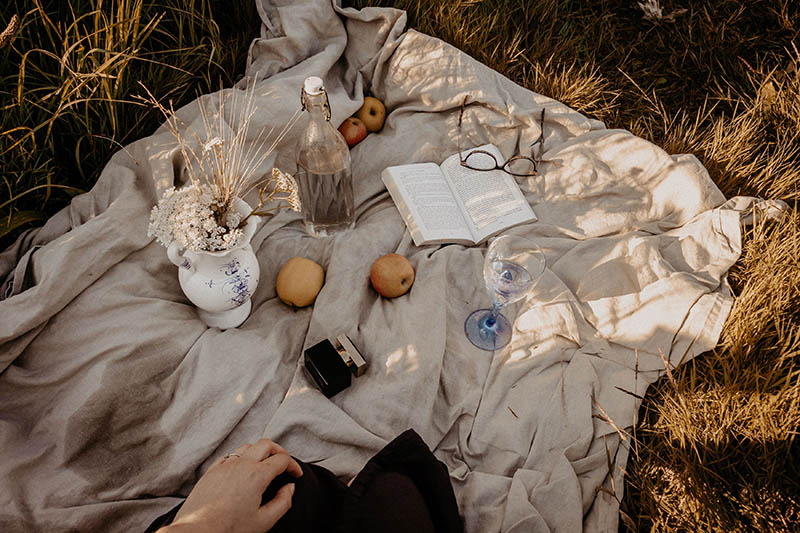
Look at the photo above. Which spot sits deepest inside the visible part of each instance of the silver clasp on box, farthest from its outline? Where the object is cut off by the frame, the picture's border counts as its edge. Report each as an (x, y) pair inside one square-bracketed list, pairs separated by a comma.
[(349, 354)]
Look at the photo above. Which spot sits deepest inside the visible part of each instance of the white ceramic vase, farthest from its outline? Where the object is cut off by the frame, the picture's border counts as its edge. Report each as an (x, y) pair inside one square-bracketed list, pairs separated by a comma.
[(221, 283)]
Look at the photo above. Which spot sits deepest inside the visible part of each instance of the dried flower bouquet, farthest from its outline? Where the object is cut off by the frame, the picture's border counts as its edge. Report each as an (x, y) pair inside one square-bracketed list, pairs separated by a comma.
[(222, 164)]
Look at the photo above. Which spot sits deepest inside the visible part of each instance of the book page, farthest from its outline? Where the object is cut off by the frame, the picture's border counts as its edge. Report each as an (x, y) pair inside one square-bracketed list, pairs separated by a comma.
[(492, 200), (432, 214)]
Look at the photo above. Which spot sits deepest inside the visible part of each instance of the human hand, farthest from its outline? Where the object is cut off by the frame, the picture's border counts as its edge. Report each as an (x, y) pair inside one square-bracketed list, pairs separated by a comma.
[(228, 496)]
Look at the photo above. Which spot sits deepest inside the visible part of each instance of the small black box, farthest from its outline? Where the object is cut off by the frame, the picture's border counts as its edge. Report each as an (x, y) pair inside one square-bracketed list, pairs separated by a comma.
[(330, 363)]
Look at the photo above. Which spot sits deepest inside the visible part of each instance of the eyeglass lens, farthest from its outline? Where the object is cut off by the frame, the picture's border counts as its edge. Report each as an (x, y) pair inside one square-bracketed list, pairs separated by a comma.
[(521, 166), (481, 161)]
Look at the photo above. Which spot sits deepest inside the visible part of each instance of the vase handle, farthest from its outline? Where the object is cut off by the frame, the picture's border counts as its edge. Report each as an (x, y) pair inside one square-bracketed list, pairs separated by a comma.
[(176, 255)]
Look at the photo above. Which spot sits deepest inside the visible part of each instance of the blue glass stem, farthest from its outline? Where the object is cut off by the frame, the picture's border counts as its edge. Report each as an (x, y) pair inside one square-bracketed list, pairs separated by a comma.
[(492, 319)]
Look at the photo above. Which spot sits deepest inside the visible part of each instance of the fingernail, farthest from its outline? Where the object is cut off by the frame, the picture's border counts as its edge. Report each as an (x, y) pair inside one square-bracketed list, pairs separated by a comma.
[(291, 488)]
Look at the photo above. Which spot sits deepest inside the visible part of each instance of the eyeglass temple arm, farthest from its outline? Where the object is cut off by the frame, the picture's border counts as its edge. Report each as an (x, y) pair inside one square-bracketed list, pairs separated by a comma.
[(538, 158), (461, 113)]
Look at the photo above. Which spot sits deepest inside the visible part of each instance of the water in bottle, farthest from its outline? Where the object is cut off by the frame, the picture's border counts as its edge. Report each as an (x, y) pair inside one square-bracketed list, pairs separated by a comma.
[(324, 173)]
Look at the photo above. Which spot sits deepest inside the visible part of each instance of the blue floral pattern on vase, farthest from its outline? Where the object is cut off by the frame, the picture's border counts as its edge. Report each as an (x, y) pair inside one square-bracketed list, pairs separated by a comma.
[(238, 279)]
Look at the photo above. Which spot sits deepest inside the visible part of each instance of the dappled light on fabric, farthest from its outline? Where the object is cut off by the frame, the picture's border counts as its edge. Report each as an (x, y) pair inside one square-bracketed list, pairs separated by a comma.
[(405, 360)]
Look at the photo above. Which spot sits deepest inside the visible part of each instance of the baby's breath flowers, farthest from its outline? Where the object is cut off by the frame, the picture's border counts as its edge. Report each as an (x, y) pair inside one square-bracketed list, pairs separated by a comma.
[(225, 166), (186, 216)]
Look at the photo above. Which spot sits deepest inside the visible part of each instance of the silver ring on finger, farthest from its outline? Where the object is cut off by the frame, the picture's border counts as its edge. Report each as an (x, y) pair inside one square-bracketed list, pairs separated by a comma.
[(229, 455)]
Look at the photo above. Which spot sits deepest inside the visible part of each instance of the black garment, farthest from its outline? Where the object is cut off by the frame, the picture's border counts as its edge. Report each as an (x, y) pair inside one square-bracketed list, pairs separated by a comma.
[(402, 488)]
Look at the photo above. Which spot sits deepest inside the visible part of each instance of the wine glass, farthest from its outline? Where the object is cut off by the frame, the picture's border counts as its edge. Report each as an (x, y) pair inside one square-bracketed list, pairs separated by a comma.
[(512, 266)]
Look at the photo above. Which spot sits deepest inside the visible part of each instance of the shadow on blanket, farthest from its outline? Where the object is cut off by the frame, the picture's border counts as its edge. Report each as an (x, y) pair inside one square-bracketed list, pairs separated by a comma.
[(113, 433)]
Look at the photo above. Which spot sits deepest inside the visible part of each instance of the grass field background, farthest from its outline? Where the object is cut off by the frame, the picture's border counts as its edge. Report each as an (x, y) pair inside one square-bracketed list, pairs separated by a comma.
[(716, 447)]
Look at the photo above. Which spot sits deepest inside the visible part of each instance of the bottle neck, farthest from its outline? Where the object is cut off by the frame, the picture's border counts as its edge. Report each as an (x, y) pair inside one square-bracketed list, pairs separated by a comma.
[(317, 106)]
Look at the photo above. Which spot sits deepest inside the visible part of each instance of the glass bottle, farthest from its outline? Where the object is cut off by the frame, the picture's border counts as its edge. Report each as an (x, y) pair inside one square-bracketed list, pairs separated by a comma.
[(324, 172)]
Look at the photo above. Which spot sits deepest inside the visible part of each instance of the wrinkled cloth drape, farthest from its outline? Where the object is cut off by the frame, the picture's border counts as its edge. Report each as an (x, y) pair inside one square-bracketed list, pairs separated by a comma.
[(114, 396)]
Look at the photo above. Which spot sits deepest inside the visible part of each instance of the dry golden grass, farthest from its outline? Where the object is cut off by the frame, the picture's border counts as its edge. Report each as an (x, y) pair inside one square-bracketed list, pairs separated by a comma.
[(719, 452), (580, 86)]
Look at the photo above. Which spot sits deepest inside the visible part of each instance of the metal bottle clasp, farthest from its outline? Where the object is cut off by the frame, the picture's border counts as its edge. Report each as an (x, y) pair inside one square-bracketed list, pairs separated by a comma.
[(327, 102)]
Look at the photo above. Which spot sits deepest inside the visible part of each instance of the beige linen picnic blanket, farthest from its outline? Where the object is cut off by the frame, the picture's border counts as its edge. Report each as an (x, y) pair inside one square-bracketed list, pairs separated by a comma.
[(115, 397)]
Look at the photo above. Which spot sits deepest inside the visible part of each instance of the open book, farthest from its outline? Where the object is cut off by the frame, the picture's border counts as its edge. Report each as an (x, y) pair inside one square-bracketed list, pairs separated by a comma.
[(449, 203)]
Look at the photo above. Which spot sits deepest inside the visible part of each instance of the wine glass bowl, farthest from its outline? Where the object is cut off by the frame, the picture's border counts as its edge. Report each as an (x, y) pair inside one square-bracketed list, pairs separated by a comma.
[(512, 266)]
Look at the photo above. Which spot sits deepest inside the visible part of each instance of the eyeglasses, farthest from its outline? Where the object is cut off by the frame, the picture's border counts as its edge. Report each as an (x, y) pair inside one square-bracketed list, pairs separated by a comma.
[(518, 165)]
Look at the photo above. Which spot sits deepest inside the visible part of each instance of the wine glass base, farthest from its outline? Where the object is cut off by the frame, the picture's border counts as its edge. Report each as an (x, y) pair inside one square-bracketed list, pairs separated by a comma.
[(485, 336)]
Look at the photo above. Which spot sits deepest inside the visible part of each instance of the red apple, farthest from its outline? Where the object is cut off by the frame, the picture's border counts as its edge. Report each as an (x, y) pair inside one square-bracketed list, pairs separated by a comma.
[(353, 130)]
